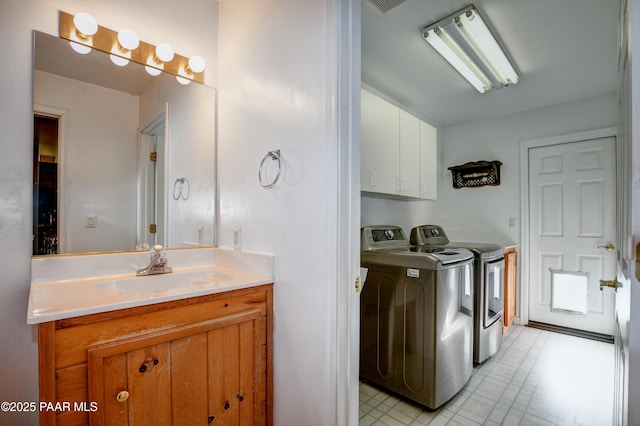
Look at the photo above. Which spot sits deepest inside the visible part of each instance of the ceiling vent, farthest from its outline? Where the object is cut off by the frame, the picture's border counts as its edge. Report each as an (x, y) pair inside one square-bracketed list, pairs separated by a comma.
[(386, 5)]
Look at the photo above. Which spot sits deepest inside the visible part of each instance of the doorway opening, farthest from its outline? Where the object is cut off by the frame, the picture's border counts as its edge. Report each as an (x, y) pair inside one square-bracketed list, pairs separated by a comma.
[(45, 184), (152, 223)]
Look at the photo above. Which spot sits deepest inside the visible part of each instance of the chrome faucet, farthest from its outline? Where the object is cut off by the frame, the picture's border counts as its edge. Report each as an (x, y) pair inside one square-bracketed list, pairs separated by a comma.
[(157, 264)]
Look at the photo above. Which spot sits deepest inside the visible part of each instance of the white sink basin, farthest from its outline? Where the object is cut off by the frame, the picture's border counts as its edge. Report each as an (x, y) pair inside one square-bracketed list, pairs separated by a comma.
[(163, 283)]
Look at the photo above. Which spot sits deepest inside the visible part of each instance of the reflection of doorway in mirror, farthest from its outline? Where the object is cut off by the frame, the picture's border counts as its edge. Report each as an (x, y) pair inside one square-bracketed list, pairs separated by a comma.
[(45, 184), (151, 177)]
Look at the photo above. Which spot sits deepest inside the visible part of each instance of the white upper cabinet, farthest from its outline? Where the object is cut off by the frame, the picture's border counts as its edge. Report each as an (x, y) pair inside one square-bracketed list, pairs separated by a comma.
[(398, 151), (409, 167), (387, 142), (428, 161), (367, 142)]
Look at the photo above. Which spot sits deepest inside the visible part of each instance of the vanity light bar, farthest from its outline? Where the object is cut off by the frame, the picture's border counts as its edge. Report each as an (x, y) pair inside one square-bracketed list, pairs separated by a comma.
[(105, 39)]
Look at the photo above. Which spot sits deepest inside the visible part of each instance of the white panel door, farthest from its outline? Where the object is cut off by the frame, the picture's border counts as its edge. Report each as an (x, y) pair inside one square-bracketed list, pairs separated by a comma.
[(572, 215)]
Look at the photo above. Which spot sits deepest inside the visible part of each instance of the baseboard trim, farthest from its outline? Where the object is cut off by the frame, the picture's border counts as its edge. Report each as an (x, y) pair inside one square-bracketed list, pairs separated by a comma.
[(572, 332)]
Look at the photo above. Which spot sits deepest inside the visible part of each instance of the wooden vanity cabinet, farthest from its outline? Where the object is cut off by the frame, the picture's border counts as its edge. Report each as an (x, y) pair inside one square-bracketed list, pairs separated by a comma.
[(203, 360), (510, 284)]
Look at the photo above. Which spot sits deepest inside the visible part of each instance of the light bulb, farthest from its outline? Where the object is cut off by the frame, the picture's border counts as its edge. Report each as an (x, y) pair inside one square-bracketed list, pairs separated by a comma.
[(182, 80), (85, 24), (152, 71), (118, 60), (128, 39), (196, 64), (80, 48), (164, 52)]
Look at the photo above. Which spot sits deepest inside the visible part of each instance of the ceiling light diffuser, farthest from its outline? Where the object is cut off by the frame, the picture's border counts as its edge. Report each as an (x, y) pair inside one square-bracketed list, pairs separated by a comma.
[(466, 42)]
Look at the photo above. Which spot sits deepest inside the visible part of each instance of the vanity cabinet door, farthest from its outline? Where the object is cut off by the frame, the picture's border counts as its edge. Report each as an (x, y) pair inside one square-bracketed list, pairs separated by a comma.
[(203, 373), (510, 284), (203, 360)]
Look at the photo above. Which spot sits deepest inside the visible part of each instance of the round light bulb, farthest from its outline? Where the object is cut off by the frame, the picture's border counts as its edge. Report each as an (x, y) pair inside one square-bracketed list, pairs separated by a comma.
[(182, 80), (118, 60), (164, 52), (128, 39), (196, 64), (80, 48), (152, 71), (85, 23)]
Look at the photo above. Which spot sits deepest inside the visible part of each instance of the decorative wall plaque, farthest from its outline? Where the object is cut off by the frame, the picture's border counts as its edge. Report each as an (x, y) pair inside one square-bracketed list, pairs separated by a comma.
[(475, 174)]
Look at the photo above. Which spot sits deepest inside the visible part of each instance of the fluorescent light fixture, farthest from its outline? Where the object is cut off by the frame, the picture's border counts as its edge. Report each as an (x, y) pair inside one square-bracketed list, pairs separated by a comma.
[(466, 42), (441, 41)]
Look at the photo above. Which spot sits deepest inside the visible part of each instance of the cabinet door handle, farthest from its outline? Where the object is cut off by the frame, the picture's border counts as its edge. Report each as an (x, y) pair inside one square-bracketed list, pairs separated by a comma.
[(122, 396), (147, 363), (372, 179)]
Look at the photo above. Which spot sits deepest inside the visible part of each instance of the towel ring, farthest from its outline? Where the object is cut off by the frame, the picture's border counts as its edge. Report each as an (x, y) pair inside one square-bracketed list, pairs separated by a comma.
[(178, 190), (275, 156)]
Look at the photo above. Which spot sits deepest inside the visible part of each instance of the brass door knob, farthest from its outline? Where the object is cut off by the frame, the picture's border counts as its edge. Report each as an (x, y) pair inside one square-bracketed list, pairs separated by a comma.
[(122, 396), (608, 247), (614, 284)]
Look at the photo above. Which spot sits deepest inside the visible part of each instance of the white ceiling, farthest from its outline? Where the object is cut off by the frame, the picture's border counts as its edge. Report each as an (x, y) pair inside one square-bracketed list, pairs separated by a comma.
[(564, 50)]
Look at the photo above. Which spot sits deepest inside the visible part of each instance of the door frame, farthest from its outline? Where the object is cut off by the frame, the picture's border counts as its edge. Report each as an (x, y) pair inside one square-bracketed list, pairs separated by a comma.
[(522, 316), (62, 202)]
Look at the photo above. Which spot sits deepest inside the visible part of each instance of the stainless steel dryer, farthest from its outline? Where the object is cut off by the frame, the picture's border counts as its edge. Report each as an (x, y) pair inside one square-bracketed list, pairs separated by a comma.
[(416, 317), (488, 290)]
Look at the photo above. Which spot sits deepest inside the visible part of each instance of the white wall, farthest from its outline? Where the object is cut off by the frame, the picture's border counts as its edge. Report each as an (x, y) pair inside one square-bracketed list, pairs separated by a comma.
[(191, 126), (470, 214), (406, 214), (190, 26), (277, 90), (100, 137)]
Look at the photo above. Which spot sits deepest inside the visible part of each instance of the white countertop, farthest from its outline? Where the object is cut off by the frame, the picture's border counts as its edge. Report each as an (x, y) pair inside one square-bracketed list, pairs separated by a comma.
[(69, 286)]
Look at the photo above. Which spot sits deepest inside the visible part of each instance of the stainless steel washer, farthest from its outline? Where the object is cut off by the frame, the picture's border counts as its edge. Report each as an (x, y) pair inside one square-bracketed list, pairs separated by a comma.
[(488, 290), (416, 318)]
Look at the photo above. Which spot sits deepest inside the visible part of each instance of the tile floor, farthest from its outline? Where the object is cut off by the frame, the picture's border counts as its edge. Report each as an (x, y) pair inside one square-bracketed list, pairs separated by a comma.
[(536, 378)]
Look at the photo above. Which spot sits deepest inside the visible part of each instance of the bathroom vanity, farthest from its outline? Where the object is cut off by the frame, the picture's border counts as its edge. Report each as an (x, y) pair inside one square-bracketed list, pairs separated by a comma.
[(190, 347)]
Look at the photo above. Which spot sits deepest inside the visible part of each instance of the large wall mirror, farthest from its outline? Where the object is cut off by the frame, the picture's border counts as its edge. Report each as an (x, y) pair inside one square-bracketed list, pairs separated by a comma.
[(122, 159)]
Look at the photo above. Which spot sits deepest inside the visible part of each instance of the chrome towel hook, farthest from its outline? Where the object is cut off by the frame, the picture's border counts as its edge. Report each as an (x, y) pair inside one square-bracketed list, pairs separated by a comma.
[(275, 156)]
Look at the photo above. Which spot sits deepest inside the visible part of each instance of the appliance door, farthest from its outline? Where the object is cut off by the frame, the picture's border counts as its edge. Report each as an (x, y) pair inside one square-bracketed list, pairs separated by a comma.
[(493, 291)]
